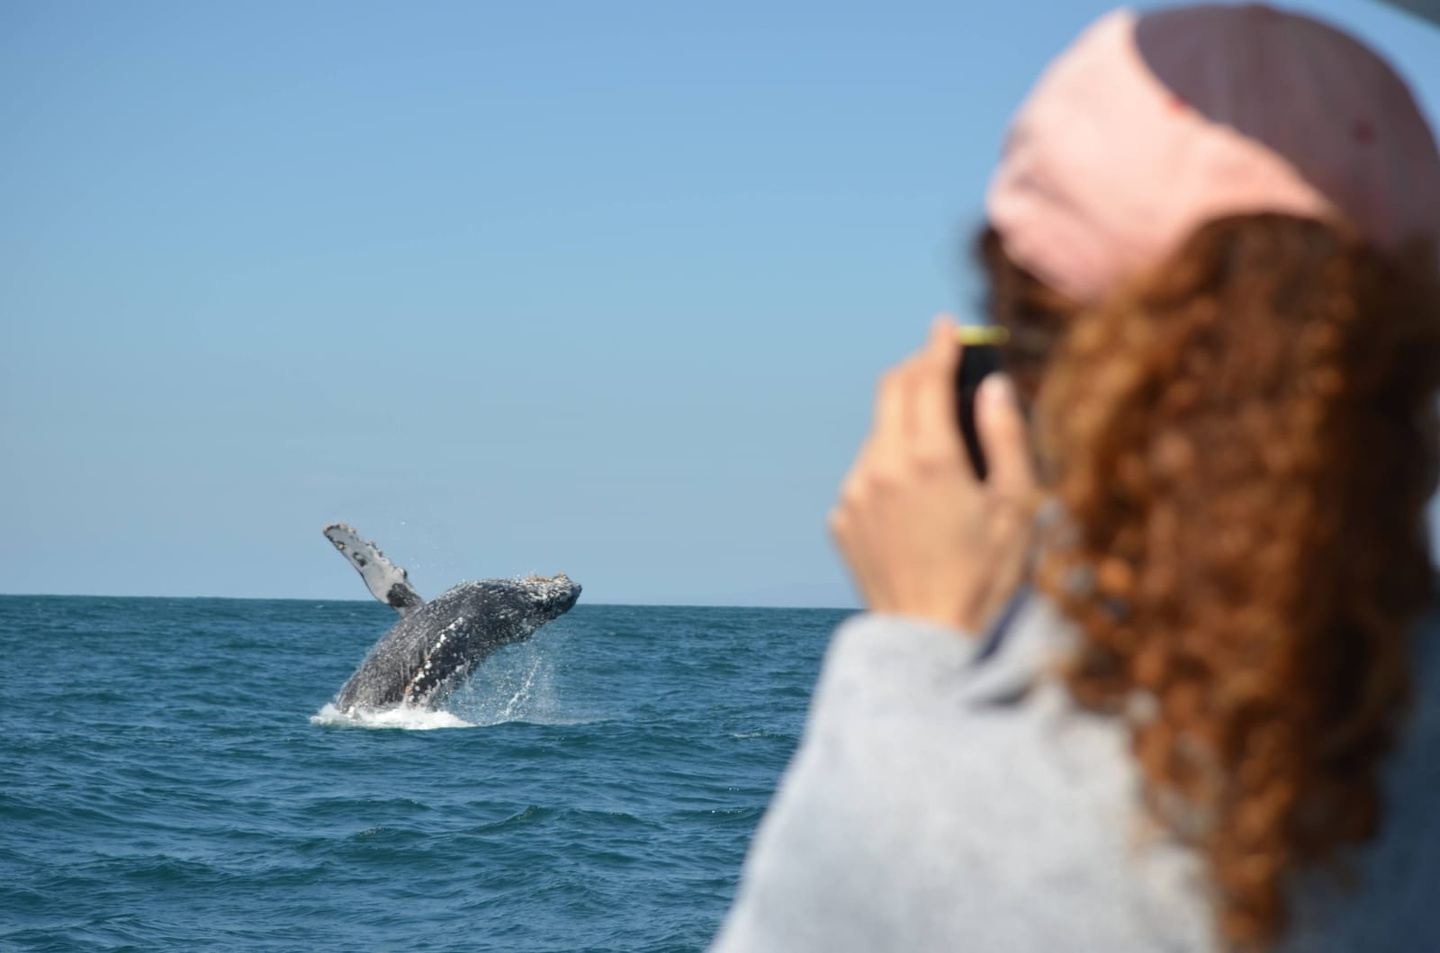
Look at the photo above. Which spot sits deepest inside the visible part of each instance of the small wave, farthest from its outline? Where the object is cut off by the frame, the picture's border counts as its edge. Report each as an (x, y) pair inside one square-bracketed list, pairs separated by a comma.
[(404, 718)]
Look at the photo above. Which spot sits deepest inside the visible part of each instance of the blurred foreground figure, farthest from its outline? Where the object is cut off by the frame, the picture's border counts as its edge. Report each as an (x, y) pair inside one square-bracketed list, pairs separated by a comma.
[(1169, 679)]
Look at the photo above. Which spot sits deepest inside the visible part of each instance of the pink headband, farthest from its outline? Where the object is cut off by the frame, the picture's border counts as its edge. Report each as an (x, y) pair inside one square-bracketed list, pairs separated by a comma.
[(1150, 125)]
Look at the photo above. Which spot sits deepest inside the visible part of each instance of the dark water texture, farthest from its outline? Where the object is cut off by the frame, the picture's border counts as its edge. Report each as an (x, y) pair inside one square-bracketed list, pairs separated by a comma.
[(163, 785)]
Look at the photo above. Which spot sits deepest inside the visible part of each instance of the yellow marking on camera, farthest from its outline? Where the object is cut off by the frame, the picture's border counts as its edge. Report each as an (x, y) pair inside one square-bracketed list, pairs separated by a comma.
[(975, 335)]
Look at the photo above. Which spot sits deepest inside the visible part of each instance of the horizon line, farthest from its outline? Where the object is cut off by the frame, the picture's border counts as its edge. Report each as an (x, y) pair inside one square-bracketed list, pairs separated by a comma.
[(622, 605)]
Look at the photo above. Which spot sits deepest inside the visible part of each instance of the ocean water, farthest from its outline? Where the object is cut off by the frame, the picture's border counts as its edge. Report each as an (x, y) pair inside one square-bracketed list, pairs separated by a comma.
[(171, 779)]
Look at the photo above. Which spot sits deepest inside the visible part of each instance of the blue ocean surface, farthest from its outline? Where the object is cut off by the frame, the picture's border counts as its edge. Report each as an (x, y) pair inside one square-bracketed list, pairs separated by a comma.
[(170, 778)]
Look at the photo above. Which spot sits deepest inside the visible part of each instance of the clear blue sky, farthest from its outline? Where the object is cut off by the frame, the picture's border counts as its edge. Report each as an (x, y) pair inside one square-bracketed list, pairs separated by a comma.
[(511, 287)]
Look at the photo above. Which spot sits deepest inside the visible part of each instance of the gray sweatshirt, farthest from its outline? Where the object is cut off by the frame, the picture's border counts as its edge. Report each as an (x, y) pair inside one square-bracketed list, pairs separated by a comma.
[(947, 795)]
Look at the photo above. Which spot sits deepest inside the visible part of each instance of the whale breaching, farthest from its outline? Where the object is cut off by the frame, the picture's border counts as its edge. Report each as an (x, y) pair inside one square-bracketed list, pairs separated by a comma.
[(436, 644)]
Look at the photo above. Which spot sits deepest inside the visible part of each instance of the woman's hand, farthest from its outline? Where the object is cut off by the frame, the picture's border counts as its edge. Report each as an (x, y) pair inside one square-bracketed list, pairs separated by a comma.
[(922, 536)]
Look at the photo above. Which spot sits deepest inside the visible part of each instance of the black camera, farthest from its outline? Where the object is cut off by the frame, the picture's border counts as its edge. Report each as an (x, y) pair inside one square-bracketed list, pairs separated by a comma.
[(980, 357)]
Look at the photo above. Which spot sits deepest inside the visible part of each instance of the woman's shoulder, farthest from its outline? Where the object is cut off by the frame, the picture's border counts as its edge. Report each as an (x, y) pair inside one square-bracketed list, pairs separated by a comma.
[(948, 793), (944, 784)]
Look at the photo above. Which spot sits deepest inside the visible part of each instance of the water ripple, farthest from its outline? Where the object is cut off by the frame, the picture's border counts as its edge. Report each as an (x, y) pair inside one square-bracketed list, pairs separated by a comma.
[(180, 783)]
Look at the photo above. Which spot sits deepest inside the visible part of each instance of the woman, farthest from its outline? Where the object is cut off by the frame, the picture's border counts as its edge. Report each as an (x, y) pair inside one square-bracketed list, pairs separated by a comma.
[(1195, 705)]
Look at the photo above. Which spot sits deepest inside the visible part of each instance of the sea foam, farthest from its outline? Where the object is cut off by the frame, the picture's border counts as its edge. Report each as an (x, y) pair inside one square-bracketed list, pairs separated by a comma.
[(403, 717)]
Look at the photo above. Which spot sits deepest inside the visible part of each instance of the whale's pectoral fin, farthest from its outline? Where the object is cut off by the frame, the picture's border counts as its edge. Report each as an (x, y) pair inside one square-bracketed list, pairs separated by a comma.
[(385, 580)]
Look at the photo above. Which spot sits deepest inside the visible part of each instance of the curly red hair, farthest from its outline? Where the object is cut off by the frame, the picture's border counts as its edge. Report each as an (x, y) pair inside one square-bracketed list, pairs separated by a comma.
[(1243, 442)]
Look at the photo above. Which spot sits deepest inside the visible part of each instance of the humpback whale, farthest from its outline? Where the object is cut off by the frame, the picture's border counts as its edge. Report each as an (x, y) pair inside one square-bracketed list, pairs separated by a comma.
[(437, 644)]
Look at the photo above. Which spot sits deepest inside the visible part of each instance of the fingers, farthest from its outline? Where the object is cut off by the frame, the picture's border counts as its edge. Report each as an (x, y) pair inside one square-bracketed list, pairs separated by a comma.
[(918, 533), (1004, 436), (1012, 492), (936, 432), (915, 403), (942, 342), (904, 480), (892, 409), (848, 523)]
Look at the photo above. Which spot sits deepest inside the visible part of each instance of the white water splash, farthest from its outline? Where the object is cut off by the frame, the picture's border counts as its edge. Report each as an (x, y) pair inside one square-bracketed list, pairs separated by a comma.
[(515, 685), (404, 718)]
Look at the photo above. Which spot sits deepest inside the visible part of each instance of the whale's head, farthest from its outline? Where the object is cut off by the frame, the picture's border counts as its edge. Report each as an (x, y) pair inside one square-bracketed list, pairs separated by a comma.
[(502, 610), (549, 596)]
